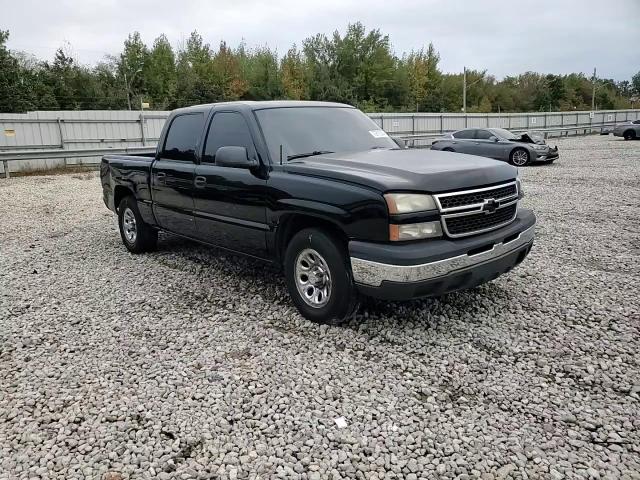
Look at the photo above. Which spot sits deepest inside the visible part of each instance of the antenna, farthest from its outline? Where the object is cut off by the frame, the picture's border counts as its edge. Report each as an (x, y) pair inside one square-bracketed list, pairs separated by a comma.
[(280, 154)]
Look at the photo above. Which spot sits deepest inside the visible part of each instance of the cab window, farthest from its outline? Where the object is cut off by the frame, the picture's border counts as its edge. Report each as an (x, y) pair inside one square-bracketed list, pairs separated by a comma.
[(182, 137), (227, 129)]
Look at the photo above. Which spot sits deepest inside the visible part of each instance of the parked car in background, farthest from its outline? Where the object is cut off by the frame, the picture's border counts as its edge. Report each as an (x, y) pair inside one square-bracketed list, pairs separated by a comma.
[(319, 189), (498, 143), (629, 130)]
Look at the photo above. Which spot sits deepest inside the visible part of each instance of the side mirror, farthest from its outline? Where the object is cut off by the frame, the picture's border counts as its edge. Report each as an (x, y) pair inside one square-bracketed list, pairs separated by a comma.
[(494, 138), (234, 157), (400, 142)]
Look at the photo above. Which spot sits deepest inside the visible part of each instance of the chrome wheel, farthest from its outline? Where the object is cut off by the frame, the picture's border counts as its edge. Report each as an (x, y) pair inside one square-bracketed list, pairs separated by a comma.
[(129, 226), (313, 278), (520, 158)]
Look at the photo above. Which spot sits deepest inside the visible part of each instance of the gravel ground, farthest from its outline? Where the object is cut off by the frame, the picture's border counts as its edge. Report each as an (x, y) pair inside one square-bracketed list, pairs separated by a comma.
[(190, 363)]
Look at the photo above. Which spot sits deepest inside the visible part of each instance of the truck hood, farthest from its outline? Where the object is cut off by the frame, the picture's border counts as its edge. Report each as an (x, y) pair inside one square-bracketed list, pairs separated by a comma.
[(429, 171)]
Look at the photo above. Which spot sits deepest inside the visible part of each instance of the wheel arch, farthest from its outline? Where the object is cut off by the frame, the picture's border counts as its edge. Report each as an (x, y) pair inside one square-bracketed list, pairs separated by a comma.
[(292, 223), (120, 192)]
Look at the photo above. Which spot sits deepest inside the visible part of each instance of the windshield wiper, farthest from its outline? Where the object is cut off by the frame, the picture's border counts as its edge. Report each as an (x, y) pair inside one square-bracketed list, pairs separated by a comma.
[(309, 154)]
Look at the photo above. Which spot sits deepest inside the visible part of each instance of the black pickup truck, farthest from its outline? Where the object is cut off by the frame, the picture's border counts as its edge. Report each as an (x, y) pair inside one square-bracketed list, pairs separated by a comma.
[(319, 189)]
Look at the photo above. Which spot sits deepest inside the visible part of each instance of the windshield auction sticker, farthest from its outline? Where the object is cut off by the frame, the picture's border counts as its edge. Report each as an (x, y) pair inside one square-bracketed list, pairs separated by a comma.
[(378, 133)]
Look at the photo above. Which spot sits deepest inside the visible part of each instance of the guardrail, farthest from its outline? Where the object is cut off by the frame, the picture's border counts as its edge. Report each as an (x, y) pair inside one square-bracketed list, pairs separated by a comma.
[(46, 154), (39, 154)]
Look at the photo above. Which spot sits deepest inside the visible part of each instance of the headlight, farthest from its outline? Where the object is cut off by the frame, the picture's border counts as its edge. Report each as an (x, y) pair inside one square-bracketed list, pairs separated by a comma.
[(414, 231), (409, 202), (539, 147)]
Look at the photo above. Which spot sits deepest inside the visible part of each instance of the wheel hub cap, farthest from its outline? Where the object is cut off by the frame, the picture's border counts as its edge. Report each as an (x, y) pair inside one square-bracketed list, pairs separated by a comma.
[(313, 278), (129, 225), (519, 158)]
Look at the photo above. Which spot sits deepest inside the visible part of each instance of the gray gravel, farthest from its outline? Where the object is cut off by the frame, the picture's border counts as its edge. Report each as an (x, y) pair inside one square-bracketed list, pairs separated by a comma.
[(190, 363)]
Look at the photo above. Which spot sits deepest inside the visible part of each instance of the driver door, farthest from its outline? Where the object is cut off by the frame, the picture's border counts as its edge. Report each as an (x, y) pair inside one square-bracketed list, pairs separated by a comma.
[(486, 144), (230, 203)]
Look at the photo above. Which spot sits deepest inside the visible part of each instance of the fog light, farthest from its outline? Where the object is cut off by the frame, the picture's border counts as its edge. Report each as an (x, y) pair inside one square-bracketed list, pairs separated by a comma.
[(414, 231)]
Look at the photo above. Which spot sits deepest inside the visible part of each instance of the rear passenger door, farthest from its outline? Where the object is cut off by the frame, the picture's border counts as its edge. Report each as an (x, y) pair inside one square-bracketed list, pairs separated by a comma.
[(173, 173), (230, 203)]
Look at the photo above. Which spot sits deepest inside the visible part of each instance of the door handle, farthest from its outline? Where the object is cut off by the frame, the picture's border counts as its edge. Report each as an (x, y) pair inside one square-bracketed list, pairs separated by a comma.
[(200, 181), (161, 176)]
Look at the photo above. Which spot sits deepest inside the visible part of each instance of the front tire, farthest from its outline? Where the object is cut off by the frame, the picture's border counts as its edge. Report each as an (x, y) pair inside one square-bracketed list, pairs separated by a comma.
[(318, 277), (519, 157), (629, 135), (136, 235)]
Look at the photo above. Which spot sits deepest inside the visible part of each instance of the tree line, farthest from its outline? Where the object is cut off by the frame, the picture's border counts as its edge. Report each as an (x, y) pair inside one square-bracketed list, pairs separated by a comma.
[(358, 67)]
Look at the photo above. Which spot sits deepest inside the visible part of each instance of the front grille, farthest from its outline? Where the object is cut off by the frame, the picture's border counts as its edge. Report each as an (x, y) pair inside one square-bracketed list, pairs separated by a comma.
[(475, 197), (477, 222), (469, 212)]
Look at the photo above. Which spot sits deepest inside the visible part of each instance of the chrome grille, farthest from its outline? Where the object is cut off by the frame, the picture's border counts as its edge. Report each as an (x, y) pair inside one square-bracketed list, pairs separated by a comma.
[(465, 199), (470, 212)]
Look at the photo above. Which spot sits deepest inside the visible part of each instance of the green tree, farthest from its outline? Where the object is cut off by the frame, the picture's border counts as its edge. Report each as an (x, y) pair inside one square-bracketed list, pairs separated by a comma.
[(15, 92), (131, 67), (635, 84), (227, 74), (160, 75), (260, 68), (294, 75), (424, 80)]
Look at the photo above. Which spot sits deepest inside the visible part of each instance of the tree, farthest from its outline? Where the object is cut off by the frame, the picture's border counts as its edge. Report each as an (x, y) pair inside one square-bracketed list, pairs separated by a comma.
[(261, 71), (132, 63), (159, 72), (294, 75), (424, 79), (227, 74), (635, 84), (13, 96), (355, 66)]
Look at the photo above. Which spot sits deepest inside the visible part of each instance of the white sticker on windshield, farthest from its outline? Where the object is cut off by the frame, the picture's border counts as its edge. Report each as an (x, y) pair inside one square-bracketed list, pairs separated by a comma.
[(378, 133)]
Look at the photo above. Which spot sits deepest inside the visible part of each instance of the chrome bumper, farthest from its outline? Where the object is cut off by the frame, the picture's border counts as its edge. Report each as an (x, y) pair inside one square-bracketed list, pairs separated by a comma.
[(367, 272)]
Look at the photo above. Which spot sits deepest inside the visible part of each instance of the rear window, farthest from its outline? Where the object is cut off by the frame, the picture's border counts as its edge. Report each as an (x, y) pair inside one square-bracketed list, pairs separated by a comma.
[(182, 137)]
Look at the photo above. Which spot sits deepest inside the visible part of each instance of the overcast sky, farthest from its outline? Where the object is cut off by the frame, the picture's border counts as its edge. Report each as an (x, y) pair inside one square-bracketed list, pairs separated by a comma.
[(503, 36)]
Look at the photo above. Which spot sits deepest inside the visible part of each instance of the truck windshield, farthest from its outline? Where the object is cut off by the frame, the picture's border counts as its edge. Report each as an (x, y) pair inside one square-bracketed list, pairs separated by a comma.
[(306, 130)]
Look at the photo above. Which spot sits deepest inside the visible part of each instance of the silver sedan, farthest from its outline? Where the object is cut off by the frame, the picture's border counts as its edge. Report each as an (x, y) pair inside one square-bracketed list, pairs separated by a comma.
[(498, 143), (628, 130)]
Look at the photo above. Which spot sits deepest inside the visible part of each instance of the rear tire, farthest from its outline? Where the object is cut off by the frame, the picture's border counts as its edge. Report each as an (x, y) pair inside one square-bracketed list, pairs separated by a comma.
[(448, 149), (318, 277), (519, 157), (629, 135), (136, 235)]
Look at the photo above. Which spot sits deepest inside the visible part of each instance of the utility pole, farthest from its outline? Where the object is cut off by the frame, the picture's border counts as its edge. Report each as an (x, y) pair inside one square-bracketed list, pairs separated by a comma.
[(464, 90), (593, 93), (126, 86)]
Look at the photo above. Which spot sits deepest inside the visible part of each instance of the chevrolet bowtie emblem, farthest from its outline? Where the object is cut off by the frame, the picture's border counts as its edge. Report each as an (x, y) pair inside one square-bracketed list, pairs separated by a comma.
[(489, 205)]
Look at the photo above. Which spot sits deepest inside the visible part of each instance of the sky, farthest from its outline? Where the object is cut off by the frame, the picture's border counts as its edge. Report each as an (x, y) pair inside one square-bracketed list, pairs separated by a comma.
[(505, 37)]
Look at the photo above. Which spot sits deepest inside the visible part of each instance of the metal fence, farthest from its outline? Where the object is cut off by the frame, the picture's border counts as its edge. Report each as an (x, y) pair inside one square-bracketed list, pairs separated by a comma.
[(43, 140)]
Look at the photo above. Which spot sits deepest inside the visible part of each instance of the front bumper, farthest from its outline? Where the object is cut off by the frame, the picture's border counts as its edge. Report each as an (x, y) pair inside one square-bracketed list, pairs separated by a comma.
[(552, 154), (436, 267)]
